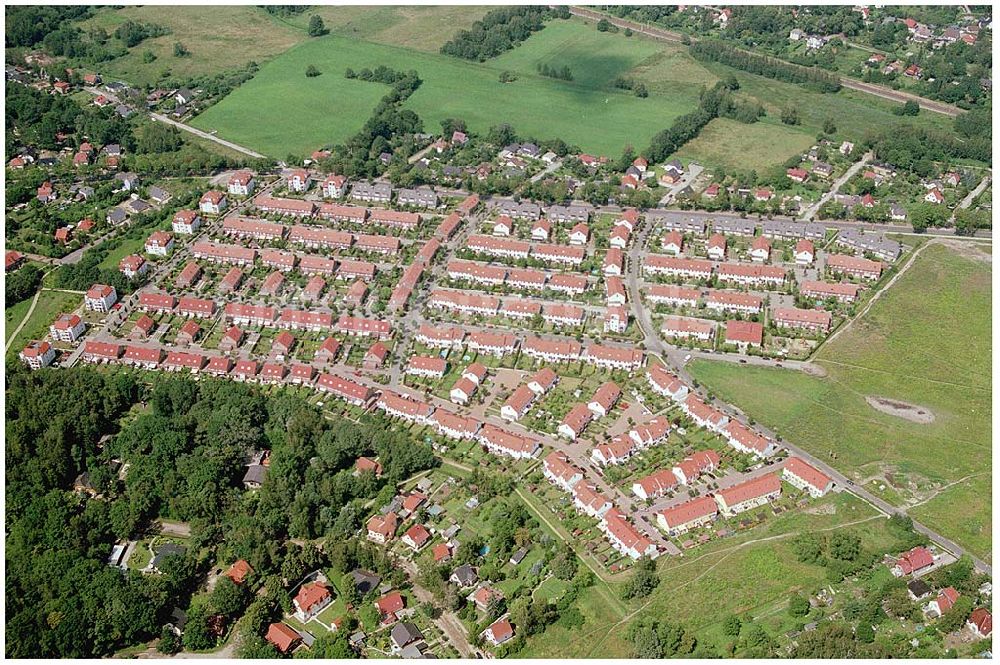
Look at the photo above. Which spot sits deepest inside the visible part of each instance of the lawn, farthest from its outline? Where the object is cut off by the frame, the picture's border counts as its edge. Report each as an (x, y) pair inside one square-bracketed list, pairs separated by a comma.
[(50, 305), (282, 111), (733, 145), (903, 349), (125, 248)]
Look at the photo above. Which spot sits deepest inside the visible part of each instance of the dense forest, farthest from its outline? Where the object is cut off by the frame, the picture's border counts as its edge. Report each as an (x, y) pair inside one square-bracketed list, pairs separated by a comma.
[(186, 445), (28, 25)]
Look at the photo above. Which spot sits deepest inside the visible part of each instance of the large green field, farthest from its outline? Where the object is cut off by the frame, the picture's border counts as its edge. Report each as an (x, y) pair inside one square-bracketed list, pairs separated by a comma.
[(281, 111), (225, 37), (926, 342)]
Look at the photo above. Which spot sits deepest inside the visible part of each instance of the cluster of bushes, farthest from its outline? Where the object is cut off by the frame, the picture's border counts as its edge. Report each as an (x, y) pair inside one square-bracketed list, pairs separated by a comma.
[(716, 51), (285, 11), (386, 129), (500, 30), (563, 73), (653, 638), (37, 117), (638, 88), (381, 74), (915, 149), (22, 284), (133, 33)]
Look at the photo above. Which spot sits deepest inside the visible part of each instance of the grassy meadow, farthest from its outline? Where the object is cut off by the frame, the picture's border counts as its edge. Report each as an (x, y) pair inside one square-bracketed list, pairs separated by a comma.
[(229, 36), (50, 305), (926, 342), (218, 38), (733, 145), (281, 111)]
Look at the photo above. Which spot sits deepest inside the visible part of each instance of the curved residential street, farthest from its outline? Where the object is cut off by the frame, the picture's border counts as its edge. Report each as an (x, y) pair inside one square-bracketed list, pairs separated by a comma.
[(673, 358)]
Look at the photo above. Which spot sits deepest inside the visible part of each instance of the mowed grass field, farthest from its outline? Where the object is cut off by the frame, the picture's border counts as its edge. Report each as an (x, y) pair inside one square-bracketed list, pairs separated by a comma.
[(926, 342), (281, 111), (717, 575)]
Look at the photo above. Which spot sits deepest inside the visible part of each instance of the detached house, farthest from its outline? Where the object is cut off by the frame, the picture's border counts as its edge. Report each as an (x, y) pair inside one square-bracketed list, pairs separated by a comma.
[(334, 186), (241, 183), (37, 354), (212, 202), (298, 180), (382, 528), (100, 298), (186, 222), (310, 600), (133, 265), (159, 243), (912, 561)]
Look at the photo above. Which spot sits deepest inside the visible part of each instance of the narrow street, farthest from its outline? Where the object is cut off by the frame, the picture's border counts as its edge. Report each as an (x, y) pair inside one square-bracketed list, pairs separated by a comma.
[(811, 211), (447, 622), (971, 196), (206, 135), (671, 356)]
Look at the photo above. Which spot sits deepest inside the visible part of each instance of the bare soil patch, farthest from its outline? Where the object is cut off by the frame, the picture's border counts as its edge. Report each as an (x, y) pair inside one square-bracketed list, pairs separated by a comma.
[(911, 412), (814, 369), (968, 249)]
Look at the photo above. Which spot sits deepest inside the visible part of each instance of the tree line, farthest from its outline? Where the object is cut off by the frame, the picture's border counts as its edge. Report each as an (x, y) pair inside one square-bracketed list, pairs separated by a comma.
[(716, 51), (717, 101), (551, 71), (500, 30), (389, 128)]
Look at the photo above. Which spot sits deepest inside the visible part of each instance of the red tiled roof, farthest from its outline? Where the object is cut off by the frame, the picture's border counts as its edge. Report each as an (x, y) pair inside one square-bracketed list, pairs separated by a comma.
[(310, 595), (751, 489), (807, 473), (282, 636), (239, 571), (744, 331), (916, 559), (390, 603), (686, 512)]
